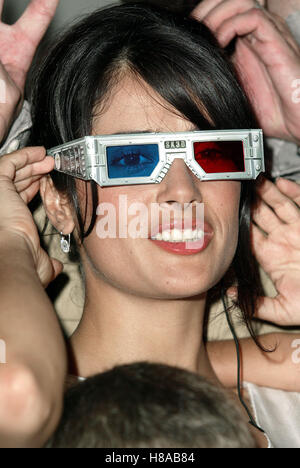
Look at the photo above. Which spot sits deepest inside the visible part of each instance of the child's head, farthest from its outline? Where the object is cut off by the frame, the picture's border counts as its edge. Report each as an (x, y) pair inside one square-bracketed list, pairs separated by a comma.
[(149, 405)]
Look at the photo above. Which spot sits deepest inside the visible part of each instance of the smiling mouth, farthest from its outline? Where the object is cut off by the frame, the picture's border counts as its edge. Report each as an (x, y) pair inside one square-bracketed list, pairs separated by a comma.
[(175, 231), (180, 236), (184, 241)]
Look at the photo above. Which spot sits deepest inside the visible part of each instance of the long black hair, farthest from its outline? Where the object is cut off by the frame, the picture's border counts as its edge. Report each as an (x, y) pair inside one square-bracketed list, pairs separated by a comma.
[(181, 60)]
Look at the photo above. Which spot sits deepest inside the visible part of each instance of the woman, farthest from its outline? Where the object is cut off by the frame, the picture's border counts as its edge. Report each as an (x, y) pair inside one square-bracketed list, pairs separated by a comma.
[(136, 79), (150, 71)]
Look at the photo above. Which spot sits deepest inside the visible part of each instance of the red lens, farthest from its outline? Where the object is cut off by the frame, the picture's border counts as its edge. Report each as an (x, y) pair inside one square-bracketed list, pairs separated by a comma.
[(220, 156)]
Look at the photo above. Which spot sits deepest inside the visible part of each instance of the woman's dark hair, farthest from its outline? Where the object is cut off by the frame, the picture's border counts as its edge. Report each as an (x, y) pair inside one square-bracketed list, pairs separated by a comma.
[(181, 60)]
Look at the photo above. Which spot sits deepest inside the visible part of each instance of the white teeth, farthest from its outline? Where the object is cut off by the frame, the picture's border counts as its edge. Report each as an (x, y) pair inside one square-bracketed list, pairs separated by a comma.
[(187, 234), (177, 235), (166, 236)]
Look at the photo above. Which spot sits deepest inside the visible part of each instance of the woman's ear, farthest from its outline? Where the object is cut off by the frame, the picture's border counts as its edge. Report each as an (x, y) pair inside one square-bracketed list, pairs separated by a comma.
[(57, 206)]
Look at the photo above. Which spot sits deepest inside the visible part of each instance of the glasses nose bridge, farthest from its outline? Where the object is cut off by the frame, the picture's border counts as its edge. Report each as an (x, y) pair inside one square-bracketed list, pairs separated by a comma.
[(171, 157), (180, 155)]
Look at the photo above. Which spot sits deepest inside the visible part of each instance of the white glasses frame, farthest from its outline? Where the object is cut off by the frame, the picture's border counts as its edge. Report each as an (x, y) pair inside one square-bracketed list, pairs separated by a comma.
[(85, 158)]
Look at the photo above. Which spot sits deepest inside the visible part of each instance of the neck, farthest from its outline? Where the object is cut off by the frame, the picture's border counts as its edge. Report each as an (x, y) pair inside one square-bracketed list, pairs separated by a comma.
[(118, 328)]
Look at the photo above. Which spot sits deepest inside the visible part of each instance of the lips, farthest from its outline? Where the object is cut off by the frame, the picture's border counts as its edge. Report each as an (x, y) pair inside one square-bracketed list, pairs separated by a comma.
[(184, 247)]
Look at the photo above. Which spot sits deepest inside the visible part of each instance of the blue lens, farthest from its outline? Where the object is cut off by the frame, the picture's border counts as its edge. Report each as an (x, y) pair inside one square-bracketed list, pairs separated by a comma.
[(131, 160)]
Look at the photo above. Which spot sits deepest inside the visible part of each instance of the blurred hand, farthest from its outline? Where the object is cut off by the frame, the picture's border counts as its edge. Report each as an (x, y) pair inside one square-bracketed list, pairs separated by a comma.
[(267, 58), (20, 175), (18, 44), (283, 8), (276, 245)]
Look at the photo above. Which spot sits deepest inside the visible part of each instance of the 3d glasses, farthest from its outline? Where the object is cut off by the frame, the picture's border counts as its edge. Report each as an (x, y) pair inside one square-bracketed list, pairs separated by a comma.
[(145, 158)]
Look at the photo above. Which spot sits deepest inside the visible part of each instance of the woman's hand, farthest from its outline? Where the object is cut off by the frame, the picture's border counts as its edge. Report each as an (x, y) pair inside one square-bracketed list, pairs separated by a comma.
[(276, 245), (267, 58), (20, 175), (18, 44)]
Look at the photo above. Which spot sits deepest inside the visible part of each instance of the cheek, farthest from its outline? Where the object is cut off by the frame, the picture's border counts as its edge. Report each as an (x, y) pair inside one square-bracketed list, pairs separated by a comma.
[(231, 209), (113, 257), (225, 204), (225, 200), (230, 204), (107, 197)]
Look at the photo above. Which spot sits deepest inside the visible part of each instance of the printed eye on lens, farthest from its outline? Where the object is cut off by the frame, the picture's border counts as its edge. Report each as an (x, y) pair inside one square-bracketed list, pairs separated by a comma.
[(131, 160), (220, 157)]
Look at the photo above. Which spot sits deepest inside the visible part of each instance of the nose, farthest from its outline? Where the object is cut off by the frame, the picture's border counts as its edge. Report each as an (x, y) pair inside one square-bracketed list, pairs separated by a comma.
[(179, 185)]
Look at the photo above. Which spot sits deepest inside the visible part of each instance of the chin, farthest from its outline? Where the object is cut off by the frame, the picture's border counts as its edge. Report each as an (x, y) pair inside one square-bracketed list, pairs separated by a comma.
[(174, 289)]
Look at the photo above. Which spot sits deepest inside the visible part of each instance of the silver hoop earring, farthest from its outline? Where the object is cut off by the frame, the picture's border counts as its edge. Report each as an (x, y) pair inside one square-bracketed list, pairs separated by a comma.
[(65, 244)]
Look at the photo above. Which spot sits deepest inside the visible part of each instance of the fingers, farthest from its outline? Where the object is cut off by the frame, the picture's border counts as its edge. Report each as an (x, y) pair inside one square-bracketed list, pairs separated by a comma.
[(210, 8), (285, 31), (37, 17), (10, 100), (253, 22), (11, 163), (24, 169), (27, 180), (24, 184), (225, 10), (258, 241), (284, 208), (263, 23), (48, 269), (34, 169), (231, 18), (57, 266), (202, 10), (30, 192), (265, 218), (290, 189), (206, 7), (49, 276)]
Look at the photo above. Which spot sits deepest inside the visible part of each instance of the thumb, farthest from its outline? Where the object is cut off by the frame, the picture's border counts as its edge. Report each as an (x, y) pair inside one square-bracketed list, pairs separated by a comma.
[(57, 267), (48, 269)]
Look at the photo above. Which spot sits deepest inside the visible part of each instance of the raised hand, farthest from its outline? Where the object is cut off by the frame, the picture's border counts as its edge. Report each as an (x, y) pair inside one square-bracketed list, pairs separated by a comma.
[(18, 44), (267, 58), (276, 244), (20, 175)]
